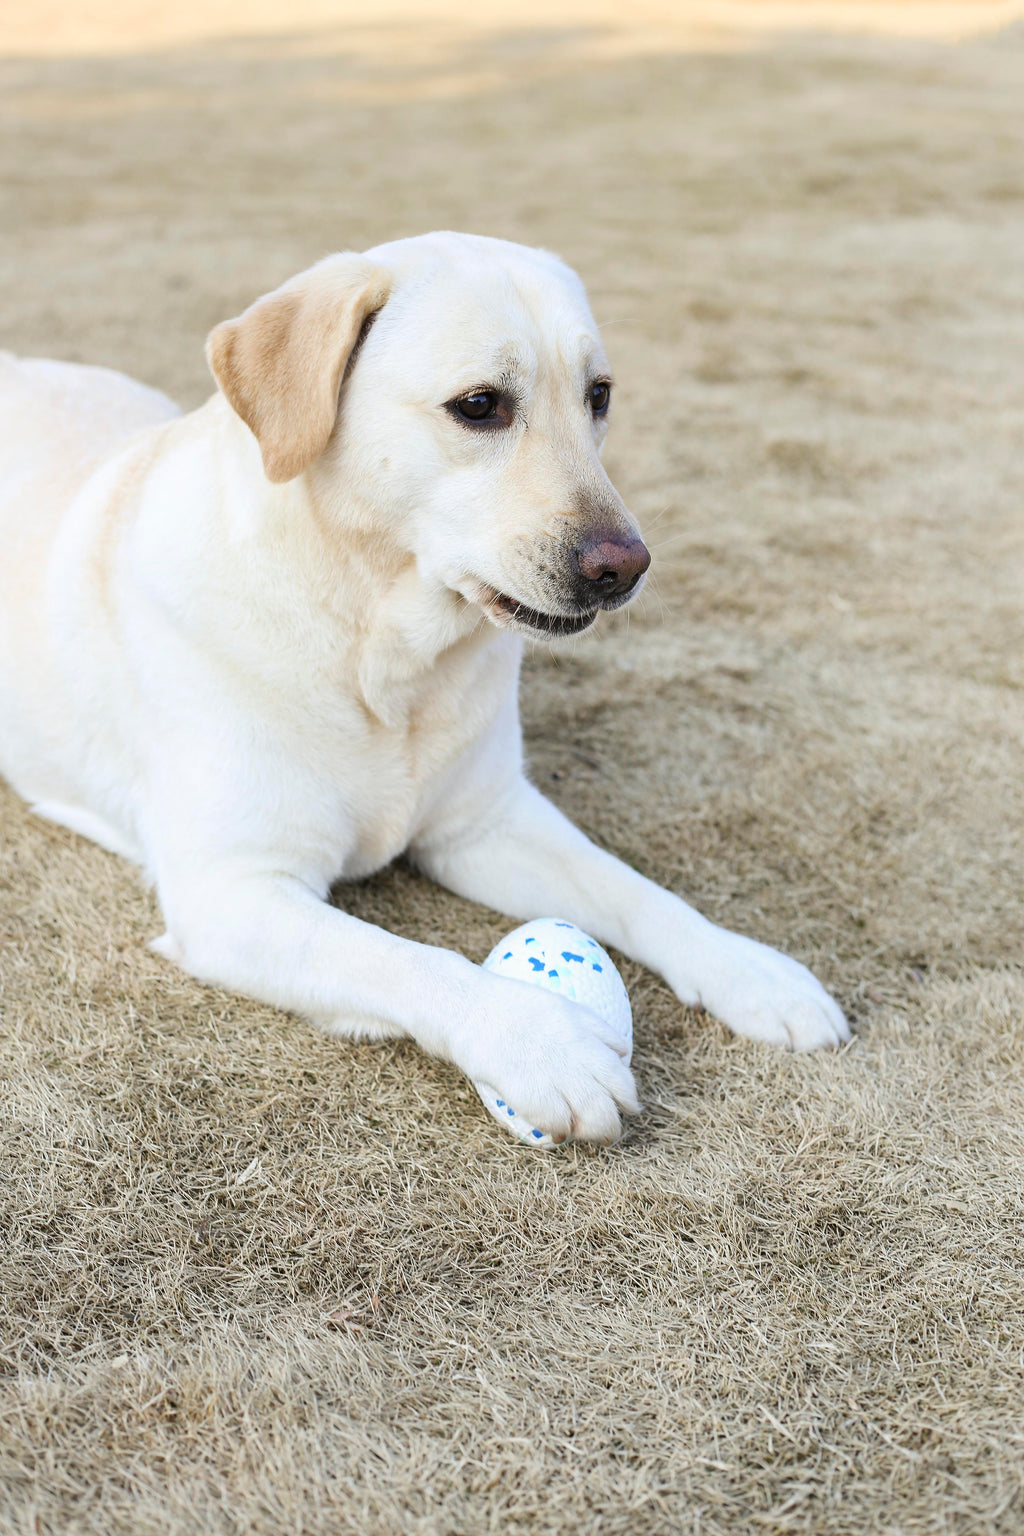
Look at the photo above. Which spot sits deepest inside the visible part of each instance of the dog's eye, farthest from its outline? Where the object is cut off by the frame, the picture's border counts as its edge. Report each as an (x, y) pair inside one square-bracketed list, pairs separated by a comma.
[(491, 410), (481, 405), (599, 396)]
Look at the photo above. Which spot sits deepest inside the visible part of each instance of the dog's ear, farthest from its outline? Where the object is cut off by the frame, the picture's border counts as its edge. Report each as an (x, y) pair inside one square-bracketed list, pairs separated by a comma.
[(281, 363)]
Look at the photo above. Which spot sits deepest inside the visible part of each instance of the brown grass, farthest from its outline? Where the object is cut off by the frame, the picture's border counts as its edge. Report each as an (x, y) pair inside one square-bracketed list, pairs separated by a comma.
[(256, 1281)]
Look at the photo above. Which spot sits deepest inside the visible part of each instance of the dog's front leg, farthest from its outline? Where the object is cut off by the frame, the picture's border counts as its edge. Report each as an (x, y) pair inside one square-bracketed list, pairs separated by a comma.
[(271, 937), (528, 860)]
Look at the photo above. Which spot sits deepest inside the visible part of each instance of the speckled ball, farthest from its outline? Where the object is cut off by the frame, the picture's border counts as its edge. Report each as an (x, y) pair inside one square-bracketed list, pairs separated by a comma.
[(555, 954)]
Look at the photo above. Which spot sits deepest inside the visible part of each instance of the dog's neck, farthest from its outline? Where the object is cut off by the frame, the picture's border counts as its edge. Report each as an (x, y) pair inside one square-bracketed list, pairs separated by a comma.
[(341, 591)]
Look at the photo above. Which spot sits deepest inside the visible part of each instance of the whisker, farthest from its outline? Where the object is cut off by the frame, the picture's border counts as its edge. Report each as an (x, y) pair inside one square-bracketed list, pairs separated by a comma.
[(651, 587), (656, 517), (666, 543)]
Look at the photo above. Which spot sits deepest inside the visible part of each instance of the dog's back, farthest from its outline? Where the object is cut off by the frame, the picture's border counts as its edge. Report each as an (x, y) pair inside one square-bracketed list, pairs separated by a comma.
[(59, 423), (62, 419)]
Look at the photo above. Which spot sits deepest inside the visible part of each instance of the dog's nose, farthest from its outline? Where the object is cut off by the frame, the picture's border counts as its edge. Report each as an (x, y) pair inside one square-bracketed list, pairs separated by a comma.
[(609, 568)]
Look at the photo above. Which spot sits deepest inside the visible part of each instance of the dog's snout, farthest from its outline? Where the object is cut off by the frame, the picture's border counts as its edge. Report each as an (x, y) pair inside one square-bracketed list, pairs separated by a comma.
[(610, 567)]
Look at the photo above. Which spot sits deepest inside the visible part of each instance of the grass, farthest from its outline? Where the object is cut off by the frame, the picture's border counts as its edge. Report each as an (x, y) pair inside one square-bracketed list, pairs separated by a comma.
[(254, 1280)]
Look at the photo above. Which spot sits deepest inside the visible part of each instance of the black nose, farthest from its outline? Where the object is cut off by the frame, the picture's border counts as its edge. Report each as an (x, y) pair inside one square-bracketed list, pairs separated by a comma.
[(609, 567)]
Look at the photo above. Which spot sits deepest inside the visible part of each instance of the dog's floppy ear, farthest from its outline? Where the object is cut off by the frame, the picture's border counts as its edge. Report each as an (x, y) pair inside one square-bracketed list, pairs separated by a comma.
[(281, 363)]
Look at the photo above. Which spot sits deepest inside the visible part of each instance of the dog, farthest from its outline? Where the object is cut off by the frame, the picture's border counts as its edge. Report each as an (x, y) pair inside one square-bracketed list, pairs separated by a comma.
[(268, 646)]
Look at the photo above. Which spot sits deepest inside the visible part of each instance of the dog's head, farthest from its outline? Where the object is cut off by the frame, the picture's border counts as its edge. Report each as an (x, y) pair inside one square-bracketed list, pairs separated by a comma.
[(456, 389)]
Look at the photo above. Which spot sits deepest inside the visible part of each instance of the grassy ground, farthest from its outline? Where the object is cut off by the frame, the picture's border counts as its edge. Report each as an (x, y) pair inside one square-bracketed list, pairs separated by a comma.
[(253, 1280)]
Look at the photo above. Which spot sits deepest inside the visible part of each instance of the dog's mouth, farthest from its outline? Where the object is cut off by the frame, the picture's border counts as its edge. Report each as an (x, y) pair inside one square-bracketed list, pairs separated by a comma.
[(509, 613), (542, 623)]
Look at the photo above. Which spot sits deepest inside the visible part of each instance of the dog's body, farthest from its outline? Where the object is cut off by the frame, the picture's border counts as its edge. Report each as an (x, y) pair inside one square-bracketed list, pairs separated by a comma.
[(272, 644)]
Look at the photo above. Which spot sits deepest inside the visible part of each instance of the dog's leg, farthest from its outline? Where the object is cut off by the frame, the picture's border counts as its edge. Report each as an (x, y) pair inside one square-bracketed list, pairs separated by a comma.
[(271, 937), (528, 860), (86, 824)]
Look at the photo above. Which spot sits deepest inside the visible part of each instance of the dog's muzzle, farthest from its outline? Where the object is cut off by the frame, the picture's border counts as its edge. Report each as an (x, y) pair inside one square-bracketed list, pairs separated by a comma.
[(602, 574)]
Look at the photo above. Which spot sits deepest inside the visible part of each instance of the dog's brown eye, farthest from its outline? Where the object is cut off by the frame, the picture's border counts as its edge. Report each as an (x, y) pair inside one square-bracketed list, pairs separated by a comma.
[(478, 406), (600, 394)]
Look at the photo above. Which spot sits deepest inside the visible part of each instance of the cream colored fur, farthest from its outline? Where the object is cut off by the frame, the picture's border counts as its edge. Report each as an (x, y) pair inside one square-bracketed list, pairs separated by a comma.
[(260, 649)]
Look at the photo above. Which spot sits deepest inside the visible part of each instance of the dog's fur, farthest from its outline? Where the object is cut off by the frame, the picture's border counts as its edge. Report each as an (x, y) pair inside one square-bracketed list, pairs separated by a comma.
[(272, 644)]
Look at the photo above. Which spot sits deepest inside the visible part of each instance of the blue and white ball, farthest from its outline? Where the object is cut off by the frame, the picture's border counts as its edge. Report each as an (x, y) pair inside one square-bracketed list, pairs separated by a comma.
[(554, 954)]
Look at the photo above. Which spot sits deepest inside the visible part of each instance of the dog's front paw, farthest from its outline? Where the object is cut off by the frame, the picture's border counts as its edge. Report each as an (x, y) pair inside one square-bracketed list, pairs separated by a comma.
[(765, 995), (559, 1064)]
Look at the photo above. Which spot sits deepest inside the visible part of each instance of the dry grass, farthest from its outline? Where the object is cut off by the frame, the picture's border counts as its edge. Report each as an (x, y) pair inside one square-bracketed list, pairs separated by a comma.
[(255, 1281)]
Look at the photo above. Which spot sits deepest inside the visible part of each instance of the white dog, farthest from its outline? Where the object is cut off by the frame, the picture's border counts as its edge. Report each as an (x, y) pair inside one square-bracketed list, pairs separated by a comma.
[(272, 644)]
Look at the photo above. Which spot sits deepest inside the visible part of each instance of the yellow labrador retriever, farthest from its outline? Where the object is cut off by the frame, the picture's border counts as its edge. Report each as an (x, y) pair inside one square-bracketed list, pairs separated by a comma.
[(269, 645)]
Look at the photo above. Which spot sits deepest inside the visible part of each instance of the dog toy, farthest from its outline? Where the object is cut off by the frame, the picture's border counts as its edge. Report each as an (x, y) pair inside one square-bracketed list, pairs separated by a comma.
[(557, 955)]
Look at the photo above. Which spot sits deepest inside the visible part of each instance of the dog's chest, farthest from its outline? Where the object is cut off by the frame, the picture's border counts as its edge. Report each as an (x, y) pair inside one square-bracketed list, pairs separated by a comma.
[(383, 776)]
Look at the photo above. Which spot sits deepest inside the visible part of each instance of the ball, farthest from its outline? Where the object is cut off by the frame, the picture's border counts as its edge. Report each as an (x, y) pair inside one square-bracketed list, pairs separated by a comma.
[(557, 955)]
